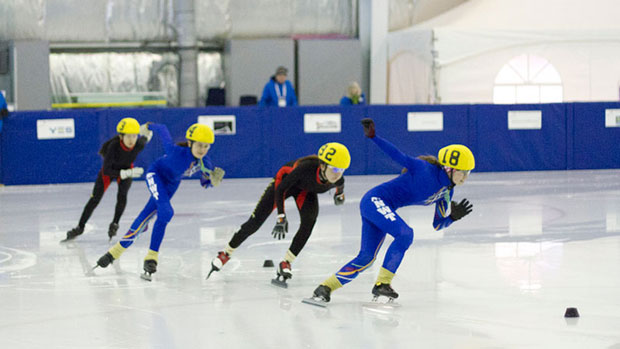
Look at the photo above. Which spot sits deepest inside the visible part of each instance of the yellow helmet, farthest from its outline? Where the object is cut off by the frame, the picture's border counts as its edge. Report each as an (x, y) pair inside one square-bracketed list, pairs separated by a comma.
[(335, 154), (128, 126), (457, 156), (200, 133)]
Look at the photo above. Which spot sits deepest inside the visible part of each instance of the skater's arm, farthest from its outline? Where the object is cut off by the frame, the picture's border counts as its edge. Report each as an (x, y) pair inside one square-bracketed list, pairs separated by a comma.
[(164, 135), (442, 219), (339, 195), (393, 152), (140, 144)]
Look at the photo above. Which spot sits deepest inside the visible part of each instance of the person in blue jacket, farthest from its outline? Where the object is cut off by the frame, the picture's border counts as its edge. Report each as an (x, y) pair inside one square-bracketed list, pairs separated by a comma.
[(427, 180), (162, 179), (354, 95), (4, 111), (278, 92)]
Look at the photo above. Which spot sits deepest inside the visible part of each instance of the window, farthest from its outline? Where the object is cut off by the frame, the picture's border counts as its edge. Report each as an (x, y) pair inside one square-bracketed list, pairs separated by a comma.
[(527, 79)]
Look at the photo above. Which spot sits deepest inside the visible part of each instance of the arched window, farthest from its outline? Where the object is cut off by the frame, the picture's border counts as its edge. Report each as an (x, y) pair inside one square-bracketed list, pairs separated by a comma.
[(527, 79)]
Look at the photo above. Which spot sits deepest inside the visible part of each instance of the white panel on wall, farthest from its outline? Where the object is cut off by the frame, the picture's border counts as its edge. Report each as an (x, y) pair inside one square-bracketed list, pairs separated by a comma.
[(425, 121), (524, 120)]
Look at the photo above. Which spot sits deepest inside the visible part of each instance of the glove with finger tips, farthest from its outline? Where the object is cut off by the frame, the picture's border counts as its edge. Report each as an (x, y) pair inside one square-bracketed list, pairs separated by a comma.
[(131, 172), (369, 127), (339, 199), (216, 176), (145, 132), (460, 210), (281, 228)]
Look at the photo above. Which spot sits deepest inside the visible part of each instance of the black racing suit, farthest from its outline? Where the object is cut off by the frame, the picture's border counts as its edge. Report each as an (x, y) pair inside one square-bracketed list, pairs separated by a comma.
[(301, 180), (116, 157)]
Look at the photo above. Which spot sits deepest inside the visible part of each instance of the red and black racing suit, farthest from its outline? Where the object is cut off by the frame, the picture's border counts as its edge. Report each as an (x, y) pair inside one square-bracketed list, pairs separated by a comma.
[(300, 179)]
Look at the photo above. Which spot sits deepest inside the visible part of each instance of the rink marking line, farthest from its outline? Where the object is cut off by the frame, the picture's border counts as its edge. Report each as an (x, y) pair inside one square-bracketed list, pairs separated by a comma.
[(27, 260), (7, 258)]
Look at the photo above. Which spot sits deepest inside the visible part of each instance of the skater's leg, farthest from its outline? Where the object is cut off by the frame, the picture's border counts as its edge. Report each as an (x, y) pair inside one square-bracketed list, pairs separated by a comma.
[(372, 239), (121, 203), (140, 223), (121, 198), (101, 184), (162, 194), (389, 221), (263, 209), (403, 238), (308, 205)]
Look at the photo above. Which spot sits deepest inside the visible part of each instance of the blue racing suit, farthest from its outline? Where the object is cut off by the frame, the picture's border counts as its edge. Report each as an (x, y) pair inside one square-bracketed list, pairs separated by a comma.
[(422, 184), (162, 179)]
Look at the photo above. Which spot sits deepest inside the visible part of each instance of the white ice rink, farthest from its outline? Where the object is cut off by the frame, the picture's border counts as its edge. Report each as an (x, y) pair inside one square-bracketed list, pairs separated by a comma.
[(535, 244)]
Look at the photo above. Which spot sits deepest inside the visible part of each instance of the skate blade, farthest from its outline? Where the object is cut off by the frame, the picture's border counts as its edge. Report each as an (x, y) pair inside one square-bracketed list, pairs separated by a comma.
[(211, 272), (382, 302), (279, 283), (146, 277), (314, 301)]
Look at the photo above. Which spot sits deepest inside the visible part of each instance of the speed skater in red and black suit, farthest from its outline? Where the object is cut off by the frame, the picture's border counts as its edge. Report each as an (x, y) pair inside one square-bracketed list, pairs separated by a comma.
[(302, 179)]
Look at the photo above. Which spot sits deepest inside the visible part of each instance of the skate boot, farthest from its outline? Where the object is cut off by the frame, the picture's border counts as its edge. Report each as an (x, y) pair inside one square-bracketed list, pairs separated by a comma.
[(218, 262), (112, 230), (384, 290), (73, 233), (105, 260), (320, 297), (150, 268), (284, 273)]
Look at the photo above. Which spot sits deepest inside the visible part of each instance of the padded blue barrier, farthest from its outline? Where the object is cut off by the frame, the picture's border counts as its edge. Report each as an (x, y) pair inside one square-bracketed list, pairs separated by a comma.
[(593, 144), (573, 135), (391, 124), (499, 149)]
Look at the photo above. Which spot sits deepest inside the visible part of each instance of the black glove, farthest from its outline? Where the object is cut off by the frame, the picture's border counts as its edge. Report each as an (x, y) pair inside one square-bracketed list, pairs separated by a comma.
[(281, 227), (4, 112), (339, 199), (369, 127), (460, 210)]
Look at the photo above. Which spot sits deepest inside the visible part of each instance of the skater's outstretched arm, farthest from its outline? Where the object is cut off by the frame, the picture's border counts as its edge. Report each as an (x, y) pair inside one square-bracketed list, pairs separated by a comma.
[(387, 147), (164, 135)]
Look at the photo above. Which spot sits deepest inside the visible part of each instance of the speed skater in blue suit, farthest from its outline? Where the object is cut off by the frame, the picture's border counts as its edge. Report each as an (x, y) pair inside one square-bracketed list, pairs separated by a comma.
[(162, 179), (425, 180)]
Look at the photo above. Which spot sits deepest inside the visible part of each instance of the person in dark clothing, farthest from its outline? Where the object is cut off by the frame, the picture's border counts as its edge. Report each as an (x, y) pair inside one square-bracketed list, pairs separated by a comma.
[(118, 153), (302, 179)]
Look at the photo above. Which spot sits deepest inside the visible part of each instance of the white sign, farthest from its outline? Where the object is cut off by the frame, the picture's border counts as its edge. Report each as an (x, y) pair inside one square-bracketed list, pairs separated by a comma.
[(220, 124), (322, 123), (524, 119), (425, 121), (55, 128), (612, 117)]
